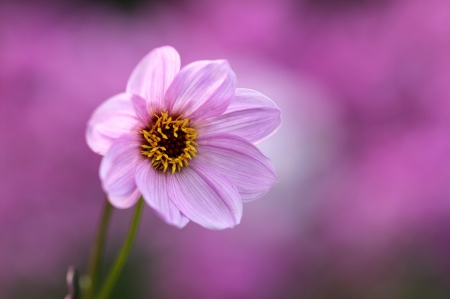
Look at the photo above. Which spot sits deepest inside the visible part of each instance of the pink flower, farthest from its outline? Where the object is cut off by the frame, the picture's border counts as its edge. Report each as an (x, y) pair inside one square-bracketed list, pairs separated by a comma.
[(183, 139)]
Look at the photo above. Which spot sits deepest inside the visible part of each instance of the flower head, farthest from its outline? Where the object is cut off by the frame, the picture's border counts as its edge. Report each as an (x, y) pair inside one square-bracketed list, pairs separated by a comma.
[(183, 139)]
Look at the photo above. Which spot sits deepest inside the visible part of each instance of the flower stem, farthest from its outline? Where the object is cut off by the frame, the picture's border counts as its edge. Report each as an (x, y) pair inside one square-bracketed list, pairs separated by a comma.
[(117, 267), (95, 262)]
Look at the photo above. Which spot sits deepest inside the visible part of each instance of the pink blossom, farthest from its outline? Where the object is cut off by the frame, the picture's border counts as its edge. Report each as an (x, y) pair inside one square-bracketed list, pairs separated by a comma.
[(183, 139)]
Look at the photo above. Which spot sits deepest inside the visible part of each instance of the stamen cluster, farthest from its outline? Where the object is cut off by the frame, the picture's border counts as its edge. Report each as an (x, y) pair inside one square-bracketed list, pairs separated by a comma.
[(169, 142)]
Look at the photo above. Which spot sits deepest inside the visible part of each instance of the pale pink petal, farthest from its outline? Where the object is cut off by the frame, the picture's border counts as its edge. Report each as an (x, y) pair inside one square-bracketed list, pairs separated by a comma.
[(116, 116), (153, 75), (153, 185), (201, 90), (244, 165), (205, 197), (141, 110), (117, 171), (251, 115), (125, 201)]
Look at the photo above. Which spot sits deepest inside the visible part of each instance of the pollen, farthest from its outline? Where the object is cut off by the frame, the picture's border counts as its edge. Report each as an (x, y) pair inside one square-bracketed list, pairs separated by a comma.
[(169, 142)]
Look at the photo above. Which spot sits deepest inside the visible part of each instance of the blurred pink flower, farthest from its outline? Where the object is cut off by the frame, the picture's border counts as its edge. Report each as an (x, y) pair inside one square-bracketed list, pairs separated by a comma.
[(184, 140)]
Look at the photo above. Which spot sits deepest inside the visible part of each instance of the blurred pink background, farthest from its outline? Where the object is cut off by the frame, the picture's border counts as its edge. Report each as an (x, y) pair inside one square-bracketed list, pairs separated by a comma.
[(362, 206)]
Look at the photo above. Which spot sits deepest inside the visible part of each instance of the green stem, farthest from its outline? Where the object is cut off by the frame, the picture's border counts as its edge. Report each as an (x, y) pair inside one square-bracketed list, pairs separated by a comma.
[(96, 259), (117, 267)]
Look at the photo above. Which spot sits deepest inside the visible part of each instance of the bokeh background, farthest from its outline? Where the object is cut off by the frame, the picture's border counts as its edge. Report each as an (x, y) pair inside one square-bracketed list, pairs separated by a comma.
[(362, 206)]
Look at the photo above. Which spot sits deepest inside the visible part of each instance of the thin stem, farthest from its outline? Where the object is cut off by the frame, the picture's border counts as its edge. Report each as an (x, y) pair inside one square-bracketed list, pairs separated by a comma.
[(122, 257), (96, 259)]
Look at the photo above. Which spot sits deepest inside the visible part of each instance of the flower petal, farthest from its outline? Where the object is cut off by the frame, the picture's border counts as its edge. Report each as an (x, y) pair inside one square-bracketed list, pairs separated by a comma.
[(117, 171), (153, 185), (251, 115), (153, 75), (141, 109), (116, 116), (205, 197), (244, 165), (125, 201), (201, 90)]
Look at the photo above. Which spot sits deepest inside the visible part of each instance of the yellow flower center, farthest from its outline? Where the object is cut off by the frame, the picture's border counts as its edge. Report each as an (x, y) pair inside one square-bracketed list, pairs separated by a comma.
[(169, 142)]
